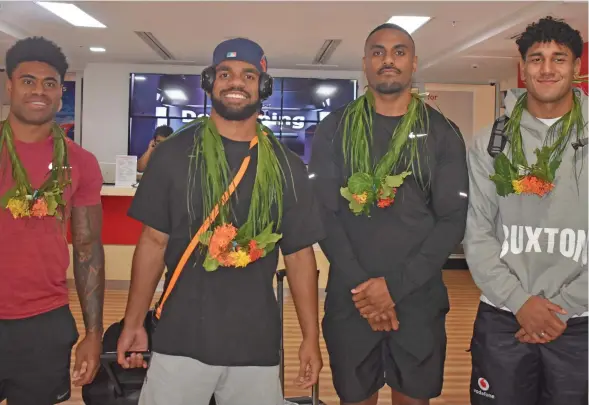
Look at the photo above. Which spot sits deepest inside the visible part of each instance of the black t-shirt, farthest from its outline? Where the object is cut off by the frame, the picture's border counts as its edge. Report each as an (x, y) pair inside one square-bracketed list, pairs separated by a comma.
[(228, 317), (407, 242)]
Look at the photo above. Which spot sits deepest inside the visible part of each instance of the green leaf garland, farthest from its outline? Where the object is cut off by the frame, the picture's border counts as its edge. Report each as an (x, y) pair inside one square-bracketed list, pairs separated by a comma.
[(371, 183), (516, 175), (227, 244), (22, 200)]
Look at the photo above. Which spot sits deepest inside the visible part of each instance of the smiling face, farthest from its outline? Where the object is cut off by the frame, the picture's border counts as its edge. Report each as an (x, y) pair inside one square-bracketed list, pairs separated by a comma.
[(35, 93), (236, 90), (389, 61), (548, 71)]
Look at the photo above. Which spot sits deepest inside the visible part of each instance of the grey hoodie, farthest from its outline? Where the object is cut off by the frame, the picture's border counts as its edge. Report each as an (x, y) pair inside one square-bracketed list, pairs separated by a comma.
[(518, 246)]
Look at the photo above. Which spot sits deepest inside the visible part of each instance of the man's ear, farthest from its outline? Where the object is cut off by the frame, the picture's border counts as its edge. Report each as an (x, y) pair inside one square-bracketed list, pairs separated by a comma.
[(577, 68), (522, 70)]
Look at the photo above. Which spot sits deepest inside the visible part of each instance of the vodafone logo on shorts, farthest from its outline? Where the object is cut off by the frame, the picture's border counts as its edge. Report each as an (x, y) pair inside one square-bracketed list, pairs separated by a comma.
[(483, 384)]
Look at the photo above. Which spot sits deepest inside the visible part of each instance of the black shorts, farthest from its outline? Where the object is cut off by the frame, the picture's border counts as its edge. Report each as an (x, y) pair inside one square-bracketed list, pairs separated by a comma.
[(507, 372), (410, 360), (35, 358)]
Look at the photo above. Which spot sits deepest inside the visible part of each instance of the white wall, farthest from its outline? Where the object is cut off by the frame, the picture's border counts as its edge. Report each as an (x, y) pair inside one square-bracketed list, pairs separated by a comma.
[(105, 112)]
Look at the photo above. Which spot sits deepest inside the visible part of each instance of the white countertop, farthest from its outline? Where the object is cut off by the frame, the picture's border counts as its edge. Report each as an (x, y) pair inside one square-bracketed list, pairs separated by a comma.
[(109, 190)]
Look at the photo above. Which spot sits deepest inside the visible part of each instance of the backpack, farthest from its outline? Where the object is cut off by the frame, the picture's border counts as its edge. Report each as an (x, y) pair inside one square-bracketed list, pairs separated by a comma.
[(498, 139)]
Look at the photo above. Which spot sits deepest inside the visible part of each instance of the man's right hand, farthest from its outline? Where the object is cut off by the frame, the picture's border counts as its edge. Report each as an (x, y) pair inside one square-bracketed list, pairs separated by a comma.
[(538, 320), (132, 340)]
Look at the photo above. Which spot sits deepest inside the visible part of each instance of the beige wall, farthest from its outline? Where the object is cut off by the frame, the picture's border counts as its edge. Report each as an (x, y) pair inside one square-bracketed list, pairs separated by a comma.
[(507, 84), (483, 101)]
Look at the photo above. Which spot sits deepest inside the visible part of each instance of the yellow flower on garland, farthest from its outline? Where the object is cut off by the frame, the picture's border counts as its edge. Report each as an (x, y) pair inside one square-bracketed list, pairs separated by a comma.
[(18, 207), (240, 258), (518, 187), (360, 198)]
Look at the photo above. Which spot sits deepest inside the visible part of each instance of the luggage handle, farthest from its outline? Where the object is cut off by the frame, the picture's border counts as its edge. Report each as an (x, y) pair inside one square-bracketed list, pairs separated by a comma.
[(280, 274), (108, 358)]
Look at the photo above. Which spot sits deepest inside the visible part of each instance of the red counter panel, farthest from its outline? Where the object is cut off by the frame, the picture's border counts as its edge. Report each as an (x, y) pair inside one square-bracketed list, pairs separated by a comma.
[(117, 227)]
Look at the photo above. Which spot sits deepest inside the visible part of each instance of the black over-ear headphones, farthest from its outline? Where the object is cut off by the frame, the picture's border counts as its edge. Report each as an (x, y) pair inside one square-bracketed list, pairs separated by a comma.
[(207, 80)]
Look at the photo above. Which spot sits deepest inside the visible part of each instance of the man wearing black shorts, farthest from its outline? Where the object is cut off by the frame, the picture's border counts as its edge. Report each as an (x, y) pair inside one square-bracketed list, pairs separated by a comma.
[(526, 237), (390, 173)]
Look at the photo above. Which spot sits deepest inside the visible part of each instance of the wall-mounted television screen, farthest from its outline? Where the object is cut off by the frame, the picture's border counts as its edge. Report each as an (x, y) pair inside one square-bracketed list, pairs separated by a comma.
[(293, 111)]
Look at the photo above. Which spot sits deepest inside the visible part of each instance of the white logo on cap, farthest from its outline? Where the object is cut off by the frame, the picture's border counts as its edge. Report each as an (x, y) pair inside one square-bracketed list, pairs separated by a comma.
[(231, 54)]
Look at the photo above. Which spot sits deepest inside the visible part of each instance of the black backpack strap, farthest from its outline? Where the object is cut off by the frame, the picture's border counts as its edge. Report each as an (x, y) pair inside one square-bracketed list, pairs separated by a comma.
[(498, 139)]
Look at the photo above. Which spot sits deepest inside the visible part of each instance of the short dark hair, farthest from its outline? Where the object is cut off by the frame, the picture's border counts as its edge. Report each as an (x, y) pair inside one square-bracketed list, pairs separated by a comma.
[(36, 49), (390, 26), (164, 131), (550, 29)]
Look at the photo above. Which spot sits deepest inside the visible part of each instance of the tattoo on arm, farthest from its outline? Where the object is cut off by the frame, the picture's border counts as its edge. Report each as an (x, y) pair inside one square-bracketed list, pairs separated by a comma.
[(89, 264)]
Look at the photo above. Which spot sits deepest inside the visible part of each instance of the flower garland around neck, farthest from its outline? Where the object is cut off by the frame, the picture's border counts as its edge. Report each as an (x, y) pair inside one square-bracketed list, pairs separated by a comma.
[(371, 183), (229, 245), (517, 176), (24, 201)]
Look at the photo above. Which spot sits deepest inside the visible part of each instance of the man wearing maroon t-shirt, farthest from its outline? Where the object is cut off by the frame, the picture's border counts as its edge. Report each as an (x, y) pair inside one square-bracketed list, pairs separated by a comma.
[(37, 329)]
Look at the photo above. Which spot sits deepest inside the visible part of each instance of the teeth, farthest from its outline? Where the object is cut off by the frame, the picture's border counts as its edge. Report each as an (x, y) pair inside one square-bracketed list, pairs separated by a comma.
[(233, 95), (38, 103)]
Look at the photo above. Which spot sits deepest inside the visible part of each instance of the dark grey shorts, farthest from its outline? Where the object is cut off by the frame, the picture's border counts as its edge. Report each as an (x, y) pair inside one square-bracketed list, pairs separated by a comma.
[(410, 361)]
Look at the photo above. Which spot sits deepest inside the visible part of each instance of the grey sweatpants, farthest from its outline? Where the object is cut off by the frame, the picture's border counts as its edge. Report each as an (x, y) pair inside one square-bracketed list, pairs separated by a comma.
[(176, 380)]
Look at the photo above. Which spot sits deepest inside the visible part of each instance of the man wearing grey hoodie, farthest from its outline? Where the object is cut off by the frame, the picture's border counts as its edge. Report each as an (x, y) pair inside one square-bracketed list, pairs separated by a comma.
[(526, 234)]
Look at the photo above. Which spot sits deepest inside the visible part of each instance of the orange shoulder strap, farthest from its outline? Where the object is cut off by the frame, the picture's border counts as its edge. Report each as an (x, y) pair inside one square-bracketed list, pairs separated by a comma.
[(203, 228)]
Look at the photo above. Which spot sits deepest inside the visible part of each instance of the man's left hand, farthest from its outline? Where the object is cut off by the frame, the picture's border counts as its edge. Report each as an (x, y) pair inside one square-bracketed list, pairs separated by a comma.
[(523, 337), (87, 359), (310, 363), (372, 297)]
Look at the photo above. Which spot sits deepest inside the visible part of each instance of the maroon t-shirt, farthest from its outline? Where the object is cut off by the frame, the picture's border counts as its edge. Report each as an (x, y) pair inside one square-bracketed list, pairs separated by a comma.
[(34, 254)]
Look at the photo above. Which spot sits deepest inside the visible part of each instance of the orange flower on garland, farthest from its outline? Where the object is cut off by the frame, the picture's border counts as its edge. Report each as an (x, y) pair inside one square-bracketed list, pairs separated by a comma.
[(532, 185), (221, 239), (230, 247), (40, 208)]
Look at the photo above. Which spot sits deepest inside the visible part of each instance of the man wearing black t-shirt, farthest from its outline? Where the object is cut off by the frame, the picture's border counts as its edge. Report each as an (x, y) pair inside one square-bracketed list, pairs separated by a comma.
[(390, 228), (218, 332)]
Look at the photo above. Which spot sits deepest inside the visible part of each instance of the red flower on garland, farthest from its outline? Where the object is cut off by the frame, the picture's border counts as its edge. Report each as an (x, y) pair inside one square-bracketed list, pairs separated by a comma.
[(255, 251), (385, 202)]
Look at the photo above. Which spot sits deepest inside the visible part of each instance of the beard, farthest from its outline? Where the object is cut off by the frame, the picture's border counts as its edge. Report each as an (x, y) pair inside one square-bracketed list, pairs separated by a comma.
[(231, 113), (389, 88)]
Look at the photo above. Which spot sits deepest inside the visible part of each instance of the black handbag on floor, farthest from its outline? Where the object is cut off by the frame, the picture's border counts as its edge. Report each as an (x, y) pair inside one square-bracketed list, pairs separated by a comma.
[(114, 385)]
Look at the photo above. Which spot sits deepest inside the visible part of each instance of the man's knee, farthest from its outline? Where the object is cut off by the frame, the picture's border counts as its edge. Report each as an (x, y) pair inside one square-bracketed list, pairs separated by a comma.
[(249, 385), (370, 401), (402, 399)]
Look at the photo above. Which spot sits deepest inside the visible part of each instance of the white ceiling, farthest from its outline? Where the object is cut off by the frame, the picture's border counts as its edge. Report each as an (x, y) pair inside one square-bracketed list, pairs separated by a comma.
[(459, 35)]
